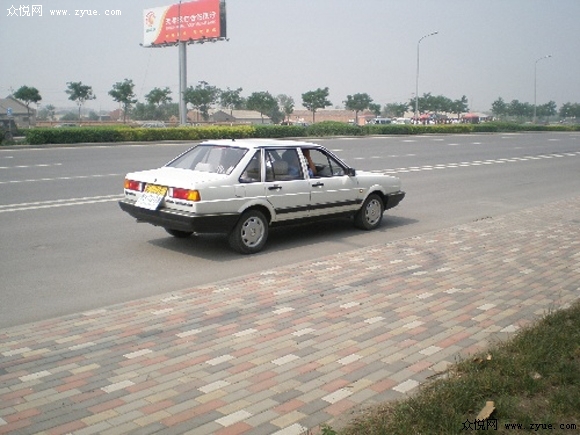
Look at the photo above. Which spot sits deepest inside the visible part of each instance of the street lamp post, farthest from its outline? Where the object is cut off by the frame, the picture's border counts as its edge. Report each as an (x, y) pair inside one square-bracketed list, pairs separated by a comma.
[(417, 77), (536, 81)]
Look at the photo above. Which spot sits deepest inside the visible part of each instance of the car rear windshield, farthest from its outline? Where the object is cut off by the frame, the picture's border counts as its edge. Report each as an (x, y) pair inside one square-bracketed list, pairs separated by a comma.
[(217, 159)]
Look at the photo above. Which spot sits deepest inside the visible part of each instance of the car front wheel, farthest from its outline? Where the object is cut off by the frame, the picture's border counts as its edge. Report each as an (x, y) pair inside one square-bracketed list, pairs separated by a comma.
[(250, 233), (370, 214)]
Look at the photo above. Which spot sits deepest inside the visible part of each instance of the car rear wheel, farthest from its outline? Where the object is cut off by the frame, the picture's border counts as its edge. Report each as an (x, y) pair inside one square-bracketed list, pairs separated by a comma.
[(250, 233), (179, 234), (370, 214)]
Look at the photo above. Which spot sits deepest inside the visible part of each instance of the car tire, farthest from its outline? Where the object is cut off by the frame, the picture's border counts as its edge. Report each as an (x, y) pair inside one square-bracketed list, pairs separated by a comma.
[(250, 233), (179, 234), (370, 214)]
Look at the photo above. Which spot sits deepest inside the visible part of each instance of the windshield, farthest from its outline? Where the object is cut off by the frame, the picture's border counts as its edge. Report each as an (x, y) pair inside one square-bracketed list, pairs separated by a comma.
[(209, 158)]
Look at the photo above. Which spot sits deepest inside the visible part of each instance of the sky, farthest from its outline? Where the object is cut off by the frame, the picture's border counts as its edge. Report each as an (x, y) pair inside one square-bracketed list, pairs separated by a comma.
[(484, 49)]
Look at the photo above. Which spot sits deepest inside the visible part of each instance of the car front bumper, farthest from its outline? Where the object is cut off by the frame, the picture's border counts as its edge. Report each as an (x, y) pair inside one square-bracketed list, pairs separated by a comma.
[(181, 220), (393, 199)]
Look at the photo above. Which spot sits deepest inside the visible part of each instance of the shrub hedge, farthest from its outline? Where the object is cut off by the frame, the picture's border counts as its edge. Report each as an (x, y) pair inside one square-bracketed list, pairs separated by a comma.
[(39, 136)]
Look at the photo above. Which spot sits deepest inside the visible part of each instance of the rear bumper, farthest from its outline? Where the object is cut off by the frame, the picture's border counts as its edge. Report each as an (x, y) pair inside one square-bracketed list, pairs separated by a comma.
[(393, 199), (182, 221)]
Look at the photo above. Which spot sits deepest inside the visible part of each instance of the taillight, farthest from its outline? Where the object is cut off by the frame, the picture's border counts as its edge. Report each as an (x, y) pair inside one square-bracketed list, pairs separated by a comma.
[(186, 194), (133, 185)]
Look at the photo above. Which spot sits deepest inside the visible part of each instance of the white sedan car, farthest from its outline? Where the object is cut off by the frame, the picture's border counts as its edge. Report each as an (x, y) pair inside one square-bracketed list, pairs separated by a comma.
[(242, 187)]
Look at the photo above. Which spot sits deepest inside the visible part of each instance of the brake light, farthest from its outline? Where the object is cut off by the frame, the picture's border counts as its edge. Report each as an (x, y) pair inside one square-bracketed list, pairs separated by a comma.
[(133, 185), (186, 194)]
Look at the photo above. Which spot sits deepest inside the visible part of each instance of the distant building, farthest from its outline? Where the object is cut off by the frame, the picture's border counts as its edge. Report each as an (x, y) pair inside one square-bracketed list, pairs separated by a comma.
[(12, 108), (338, 115), (239, 117)]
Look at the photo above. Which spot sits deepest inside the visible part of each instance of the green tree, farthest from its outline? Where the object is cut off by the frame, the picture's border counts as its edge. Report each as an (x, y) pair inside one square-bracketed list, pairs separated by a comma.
[(171, 110), (397, 110), (231, 99), (314, 100), (27, 95), (93, 116), (51, 110), (287, 105), (570, 110), (264, 103), (520, 110), (144, 111), (547, 110), (158, 96), (357, 103), (148, 111), (123, 94), (80, 94), (46, 113), (425, 103), (375, 108), (158, 106), (459, 106), (499, 108), (69, 116), (433, 104), (202, 97)]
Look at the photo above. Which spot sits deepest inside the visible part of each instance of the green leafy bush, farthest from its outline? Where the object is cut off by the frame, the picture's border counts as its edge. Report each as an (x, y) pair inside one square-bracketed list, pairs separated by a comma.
[(279, 131), (333, 128), (39, 136)]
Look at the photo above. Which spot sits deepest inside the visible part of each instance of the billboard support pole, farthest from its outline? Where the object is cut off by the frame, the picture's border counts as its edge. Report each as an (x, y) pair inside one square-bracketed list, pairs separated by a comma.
[(159, 31), (182, 73), (182, 82)]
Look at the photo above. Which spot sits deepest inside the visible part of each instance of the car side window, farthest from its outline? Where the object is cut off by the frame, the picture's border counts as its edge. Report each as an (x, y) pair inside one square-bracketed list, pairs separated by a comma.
[(283, 165), (253, 172), (326, 165), (209, 158)]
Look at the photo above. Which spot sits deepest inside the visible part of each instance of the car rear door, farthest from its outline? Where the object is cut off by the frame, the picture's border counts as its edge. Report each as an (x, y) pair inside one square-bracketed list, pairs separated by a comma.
[(287, 189)]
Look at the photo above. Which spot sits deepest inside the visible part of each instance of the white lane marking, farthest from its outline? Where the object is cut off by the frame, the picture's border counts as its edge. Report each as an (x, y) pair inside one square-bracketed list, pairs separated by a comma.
[(77, 177), (40, 165), (476, 163), (58, 203)]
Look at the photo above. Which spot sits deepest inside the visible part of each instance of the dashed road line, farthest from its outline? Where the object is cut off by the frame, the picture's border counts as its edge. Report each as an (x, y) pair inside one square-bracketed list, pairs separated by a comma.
[(40, 165), (476, 163), (77, 177), (58, 203)]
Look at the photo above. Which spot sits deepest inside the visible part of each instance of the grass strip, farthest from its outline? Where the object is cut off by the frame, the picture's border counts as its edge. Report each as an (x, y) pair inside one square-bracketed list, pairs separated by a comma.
[(533, 380)]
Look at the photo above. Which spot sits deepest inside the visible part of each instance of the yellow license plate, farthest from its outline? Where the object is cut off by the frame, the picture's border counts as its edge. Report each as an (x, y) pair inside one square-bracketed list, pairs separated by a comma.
[(156, 190)]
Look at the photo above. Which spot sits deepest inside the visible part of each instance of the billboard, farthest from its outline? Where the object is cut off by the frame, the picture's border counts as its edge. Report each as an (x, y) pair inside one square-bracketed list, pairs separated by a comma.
[(194, 21)]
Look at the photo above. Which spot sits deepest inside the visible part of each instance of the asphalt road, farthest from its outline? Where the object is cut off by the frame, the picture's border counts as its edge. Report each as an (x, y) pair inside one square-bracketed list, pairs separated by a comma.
[(67, 247)]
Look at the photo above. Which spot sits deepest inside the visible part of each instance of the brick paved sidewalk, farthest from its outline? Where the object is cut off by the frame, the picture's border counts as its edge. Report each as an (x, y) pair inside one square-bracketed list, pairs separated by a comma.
[(285, 350)]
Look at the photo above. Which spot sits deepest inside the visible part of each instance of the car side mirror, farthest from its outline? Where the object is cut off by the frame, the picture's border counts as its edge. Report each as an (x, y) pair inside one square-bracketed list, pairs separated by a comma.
[(351, 172)]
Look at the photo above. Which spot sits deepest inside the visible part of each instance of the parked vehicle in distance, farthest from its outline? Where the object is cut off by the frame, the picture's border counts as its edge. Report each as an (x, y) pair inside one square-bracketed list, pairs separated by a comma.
[(154, 124), (380, 121), (65, 125), (241, 188)]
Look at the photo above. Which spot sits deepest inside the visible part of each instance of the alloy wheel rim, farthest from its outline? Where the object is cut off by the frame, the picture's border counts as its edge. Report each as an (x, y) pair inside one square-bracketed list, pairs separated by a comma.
[(373, 212), (252, 232)]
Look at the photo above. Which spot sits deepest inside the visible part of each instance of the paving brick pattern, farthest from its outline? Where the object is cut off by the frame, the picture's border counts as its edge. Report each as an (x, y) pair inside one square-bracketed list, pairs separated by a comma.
[(285, 350)]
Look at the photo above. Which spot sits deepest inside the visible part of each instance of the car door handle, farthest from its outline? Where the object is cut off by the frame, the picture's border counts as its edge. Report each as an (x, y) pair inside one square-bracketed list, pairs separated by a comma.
[(319, 184), (275, 187)]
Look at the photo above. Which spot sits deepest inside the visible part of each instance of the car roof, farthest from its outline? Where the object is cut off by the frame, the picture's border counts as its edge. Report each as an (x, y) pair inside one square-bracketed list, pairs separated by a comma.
[(260, 143)]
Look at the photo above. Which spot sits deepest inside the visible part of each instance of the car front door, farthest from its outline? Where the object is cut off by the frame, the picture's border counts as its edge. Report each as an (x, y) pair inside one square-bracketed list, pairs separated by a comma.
[(332, 189)]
